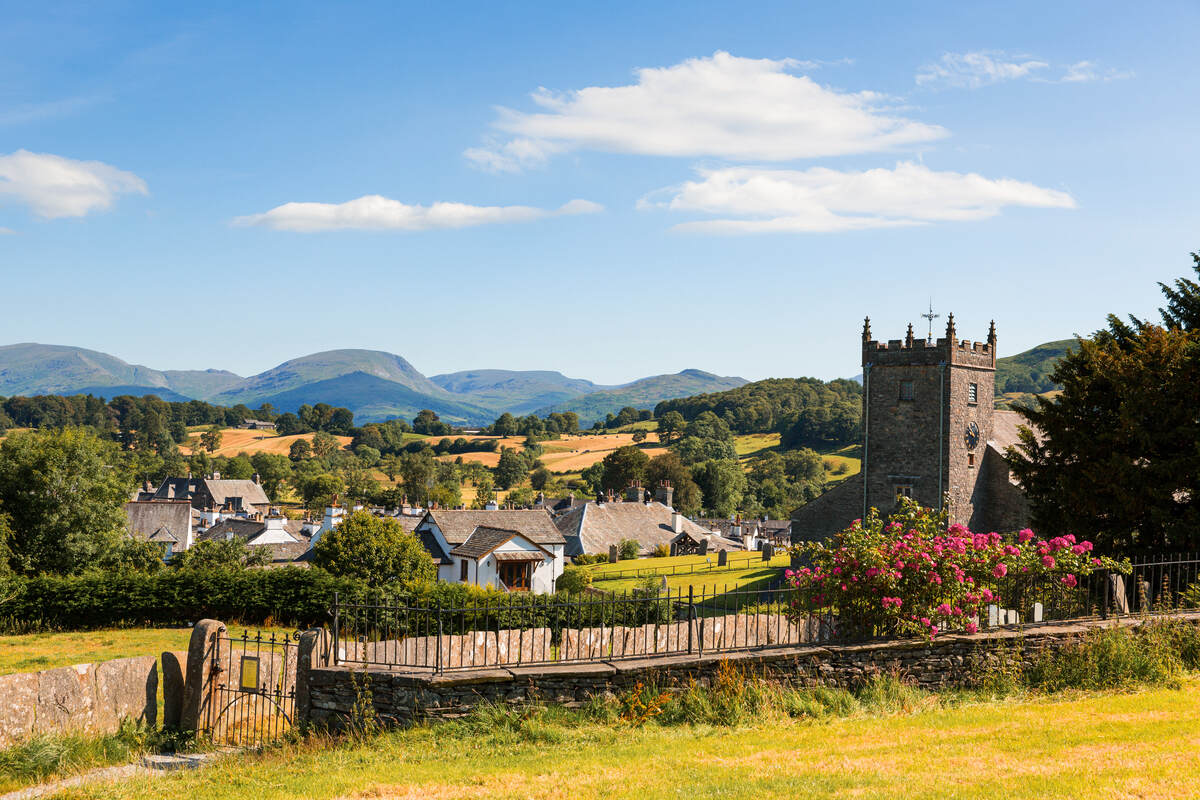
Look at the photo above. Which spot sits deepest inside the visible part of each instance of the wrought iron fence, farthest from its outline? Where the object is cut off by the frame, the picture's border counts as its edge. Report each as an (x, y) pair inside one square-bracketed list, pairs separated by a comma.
[(251, 691), (522, 629)]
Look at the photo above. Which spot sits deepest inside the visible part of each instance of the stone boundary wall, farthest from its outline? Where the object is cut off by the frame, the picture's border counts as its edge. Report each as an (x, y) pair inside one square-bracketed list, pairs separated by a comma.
[(85, 698), (948, 661)]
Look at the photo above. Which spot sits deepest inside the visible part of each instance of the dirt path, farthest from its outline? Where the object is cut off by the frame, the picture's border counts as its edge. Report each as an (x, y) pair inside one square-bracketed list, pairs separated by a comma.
[(148, 765)]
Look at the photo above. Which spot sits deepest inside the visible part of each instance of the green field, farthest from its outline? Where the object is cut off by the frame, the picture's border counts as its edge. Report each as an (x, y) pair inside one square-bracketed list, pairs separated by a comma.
[(699, 572), (1118, 745), (33, 652), (748, 444)]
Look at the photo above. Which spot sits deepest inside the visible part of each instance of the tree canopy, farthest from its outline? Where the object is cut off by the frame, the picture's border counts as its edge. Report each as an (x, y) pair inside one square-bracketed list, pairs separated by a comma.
[(375, 550)]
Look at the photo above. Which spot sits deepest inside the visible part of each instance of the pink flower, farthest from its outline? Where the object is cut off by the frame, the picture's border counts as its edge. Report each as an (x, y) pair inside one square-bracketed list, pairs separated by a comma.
[(1069, 580), (925, 621), (1024, 535), (892, 602), (1096, 562), (999, 572), (972, 627), (944, 609), (933, 629), (1048, 562), (987, 595)]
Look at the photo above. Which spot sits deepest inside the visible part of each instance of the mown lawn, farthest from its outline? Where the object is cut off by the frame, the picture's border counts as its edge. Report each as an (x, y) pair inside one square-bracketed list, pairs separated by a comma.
[(37, 651), (700, 572), (1140, 744), (710, 581)]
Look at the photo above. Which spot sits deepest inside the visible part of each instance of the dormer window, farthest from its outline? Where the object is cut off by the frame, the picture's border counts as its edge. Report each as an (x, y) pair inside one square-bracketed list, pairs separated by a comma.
[(907, 391)]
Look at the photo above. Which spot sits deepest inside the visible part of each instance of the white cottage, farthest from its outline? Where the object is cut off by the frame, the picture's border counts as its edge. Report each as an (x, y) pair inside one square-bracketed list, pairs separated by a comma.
[(513, 550)]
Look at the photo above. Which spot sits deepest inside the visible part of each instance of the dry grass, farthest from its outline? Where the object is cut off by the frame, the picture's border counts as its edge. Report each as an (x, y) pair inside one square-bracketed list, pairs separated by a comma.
[(567, 454), (1137, 745), (236, 440)]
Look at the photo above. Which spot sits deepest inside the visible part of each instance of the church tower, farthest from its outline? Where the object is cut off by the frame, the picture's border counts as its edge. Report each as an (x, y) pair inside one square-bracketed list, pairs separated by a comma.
[(927, 418)]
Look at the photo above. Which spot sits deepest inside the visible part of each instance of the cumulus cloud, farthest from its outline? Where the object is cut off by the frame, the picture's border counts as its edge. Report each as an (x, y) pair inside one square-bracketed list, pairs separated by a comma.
[(374, 212), (722, 106), (987, 67), (54, 186), (821, 200)]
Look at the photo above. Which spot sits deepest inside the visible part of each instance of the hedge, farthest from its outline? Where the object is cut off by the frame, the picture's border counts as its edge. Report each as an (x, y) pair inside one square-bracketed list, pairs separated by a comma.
[(284, 596)]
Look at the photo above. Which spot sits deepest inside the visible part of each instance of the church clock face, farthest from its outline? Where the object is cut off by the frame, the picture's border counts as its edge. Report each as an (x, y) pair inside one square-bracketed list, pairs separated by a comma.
[(971, 437)]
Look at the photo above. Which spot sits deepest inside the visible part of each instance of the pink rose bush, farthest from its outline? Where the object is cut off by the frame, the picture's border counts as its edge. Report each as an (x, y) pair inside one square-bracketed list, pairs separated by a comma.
[(914, 575)]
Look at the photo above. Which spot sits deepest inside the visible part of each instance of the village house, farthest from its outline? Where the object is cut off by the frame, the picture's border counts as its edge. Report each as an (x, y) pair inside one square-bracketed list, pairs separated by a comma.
[(256, 425), (595, 527), (754, 534), (512, 550), (165, 522), (284, 538), (212, 497)]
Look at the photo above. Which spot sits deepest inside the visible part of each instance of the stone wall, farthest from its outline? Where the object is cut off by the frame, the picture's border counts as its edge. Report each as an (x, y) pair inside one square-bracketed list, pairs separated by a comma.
[(948, 661), (85, 698)]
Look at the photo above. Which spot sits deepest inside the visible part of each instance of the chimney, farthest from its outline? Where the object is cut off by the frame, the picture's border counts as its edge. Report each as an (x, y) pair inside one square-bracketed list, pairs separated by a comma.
[(677, 522), (216, 476), (635, 493), (665, 494), (491, 505), (147, 486), (256, 478)]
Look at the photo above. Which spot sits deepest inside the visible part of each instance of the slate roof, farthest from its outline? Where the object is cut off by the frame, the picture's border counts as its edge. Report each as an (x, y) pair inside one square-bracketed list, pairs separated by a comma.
[(248, 529), (593, 527), (456, 526), (434, 547), (1005, 426), (767, 527), (483, 541), (830, 512), (159, 520), (250, 492)]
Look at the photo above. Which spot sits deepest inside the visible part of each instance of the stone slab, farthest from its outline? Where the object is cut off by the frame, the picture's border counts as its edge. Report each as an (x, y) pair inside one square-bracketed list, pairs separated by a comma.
[(126, 687), (66, 700), (18, 706)]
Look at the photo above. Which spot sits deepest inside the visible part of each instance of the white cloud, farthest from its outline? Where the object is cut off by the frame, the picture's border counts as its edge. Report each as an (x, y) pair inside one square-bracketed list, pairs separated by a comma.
[(1087, 71), (722, 106), (821, 200), (980, 68), (54, 186), (987, 67), (7, 232), (374, 212)]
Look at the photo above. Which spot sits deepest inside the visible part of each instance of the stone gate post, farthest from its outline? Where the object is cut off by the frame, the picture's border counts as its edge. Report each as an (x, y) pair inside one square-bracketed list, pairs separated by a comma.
[(204, 649)]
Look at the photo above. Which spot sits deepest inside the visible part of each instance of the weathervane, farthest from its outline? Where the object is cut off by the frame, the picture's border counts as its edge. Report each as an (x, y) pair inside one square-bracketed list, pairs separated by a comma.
[(931, 317)]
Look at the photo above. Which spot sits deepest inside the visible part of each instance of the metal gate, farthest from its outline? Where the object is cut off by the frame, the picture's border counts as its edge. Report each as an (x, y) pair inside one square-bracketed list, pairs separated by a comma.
[(251, 697)]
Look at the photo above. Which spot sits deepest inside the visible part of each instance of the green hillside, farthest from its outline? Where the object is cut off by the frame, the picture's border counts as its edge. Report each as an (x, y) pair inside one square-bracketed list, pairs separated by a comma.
[(374, 399), (645, 393), (516, 391), (1029, 372)]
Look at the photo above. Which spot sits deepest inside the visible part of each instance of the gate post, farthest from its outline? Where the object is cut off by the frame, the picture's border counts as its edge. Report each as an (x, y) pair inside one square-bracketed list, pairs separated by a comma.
[(198, 686), (312, 651)]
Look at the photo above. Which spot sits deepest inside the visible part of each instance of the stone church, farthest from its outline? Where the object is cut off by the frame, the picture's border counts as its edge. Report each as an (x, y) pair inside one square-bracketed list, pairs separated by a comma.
[(930, 432)]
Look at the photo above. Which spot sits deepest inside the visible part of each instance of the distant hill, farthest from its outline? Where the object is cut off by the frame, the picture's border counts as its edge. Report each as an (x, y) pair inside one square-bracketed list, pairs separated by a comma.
[(518, 392), (1029, 372), (374, 399), (32, 369), (644, 393)]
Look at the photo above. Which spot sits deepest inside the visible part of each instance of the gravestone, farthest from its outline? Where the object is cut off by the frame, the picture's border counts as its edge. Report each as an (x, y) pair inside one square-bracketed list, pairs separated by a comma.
[(768, 551), (612, 554), (723, 558)]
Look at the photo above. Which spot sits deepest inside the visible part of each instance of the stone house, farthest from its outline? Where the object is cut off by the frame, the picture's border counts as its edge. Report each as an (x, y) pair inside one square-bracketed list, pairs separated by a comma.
[(165, 522), (513, 550), (213, 497), (931, 432), (283, 537)]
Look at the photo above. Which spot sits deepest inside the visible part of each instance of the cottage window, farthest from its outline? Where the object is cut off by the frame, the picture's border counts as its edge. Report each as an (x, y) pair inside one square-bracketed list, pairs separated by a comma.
[(906, 390), (903, 490), (462, 570), (972, 393)]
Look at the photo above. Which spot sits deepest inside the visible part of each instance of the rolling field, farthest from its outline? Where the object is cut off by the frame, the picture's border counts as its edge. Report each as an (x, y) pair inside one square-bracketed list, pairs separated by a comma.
[(236, 440), (568, 454), (1138, 744)]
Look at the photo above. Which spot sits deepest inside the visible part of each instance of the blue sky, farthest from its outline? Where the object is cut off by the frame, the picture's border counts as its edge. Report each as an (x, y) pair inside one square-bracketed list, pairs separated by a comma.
[(615, 192)]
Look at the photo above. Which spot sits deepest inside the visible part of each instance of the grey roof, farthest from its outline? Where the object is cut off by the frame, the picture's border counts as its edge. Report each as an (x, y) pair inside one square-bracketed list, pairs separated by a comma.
[(248, 529), (1005, 429), (434, 547), (766, 527), (483, 541), (177, 489), (593, 527), (535, 524), (250, 492), (159, 520)]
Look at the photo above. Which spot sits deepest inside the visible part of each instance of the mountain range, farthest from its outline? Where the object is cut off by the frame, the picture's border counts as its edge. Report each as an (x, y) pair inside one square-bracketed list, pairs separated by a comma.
[(373, 384)]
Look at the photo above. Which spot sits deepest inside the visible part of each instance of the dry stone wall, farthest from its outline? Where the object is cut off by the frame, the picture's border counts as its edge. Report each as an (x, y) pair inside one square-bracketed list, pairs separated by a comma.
[(950, 661)]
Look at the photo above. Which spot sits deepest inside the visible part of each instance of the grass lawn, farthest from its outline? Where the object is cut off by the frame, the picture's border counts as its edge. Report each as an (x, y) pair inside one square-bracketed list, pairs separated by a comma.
[(850, 457), (38, 651), (748, 444), (710, 582), (1140, 744), (700, 572)]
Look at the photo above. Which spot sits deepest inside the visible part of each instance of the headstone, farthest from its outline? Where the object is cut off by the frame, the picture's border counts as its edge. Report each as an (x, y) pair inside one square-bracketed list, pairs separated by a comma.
[(1037, 612), (723, 558), (993, 616), (1116, 589), (768, 551), (703, 547), (612, 554)]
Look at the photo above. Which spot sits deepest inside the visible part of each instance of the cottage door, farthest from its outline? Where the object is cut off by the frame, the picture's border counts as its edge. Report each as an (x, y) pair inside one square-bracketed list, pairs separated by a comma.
[(515, 575)]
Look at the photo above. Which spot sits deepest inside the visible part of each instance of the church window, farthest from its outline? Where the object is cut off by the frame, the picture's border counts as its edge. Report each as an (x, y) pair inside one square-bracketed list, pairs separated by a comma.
[(903, 490), (972, 393), (906, 390), (970, 460)]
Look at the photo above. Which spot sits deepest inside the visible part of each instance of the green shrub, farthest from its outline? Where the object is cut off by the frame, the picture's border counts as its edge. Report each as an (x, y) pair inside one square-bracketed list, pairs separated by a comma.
[(628, 550), (1155, 653), (661, 551), (583, 559), (573, 580)]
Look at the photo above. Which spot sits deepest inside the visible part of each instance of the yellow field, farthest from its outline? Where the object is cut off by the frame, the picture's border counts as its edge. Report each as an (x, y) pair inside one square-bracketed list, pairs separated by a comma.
[(567, 454), (236, 440)]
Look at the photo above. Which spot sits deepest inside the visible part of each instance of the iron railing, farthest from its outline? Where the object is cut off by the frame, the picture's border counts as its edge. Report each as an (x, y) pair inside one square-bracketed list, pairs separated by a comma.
[(522, 629)]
